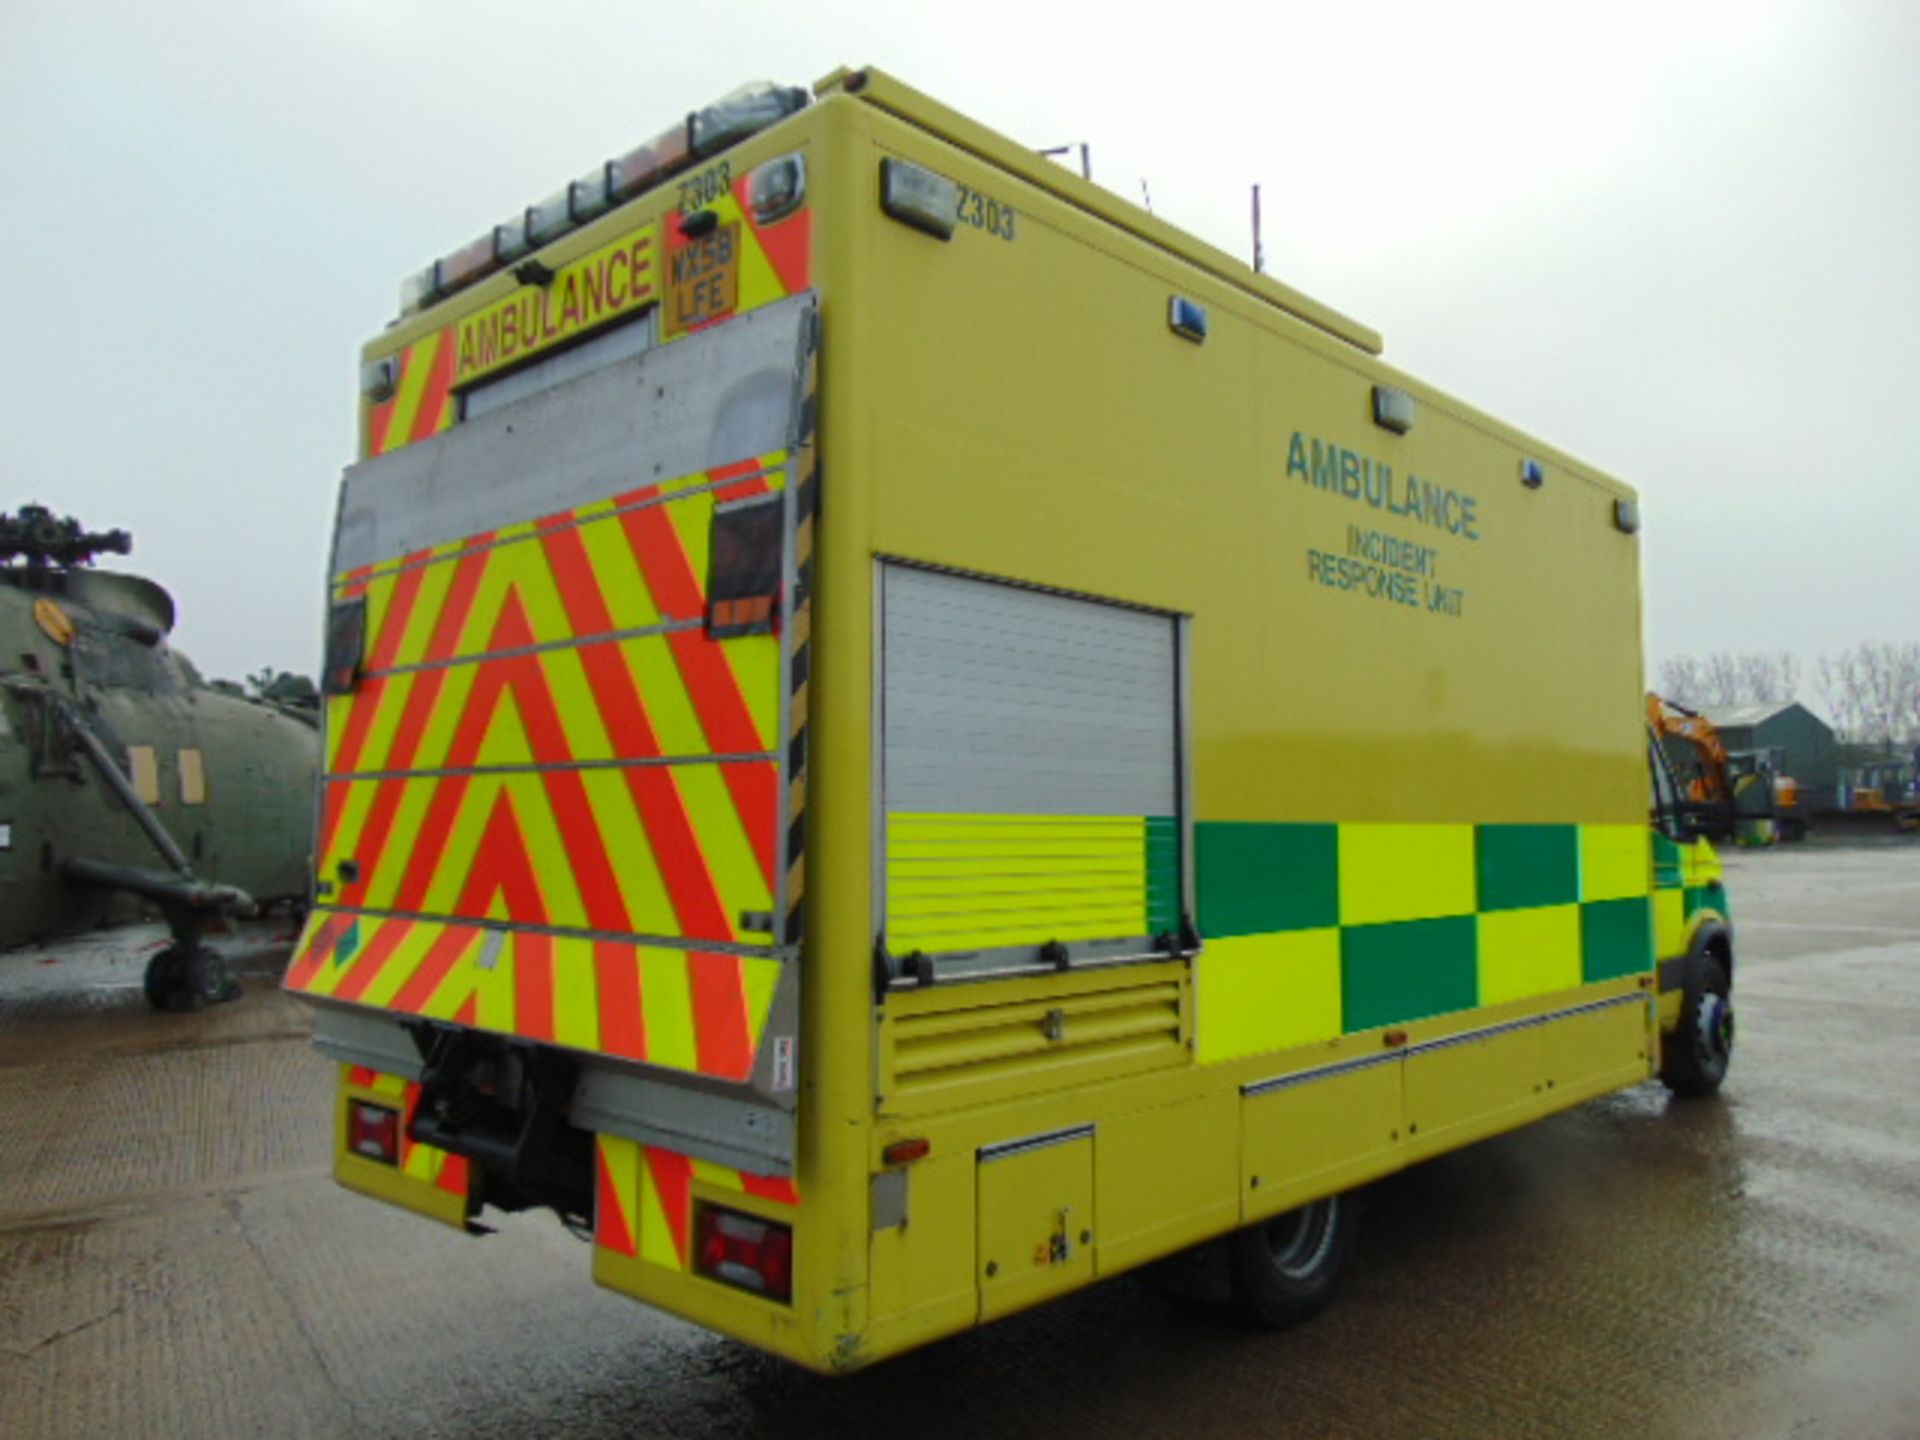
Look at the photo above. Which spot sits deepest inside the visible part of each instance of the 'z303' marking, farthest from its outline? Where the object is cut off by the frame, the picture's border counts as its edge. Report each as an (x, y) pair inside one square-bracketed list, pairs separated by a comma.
[(697, 191), (983, 212)]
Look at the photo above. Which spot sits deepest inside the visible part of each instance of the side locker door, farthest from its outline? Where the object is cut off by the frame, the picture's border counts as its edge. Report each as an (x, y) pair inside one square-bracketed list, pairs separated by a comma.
[(1035, 1206)]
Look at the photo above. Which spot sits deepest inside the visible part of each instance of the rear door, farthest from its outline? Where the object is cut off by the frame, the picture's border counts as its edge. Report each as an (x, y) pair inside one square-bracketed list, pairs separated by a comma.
[(562, 773)]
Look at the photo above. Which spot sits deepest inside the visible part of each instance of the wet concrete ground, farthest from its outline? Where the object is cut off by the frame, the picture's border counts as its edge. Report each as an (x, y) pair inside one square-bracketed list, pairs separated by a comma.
[(174, 1260)]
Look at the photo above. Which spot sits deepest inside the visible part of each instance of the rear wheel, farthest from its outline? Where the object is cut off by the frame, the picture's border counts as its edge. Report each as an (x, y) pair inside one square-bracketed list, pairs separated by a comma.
[(1694, 1058), (1285, 1269)]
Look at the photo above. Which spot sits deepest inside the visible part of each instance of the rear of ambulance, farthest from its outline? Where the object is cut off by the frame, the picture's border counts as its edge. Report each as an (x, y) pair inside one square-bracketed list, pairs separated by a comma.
[(554, 945)]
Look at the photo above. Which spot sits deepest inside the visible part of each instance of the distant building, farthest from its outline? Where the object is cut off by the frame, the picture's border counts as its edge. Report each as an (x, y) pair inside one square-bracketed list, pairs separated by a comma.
[(1888, 770), (1791, 738)]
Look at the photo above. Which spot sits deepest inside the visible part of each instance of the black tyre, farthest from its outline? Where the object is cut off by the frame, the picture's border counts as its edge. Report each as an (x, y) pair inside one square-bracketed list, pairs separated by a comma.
[(186, 977), (1285, 1269), (166, 977), (211, 977), (1694, 1058)]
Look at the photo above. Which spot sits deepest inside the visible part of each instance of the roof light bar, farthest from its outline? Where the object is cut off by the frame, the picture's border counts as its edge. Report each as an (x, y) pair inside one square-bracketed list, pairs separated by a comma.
[(420, 289), (646, 165), (467, 264), (591, 194), (746, 111), (510, 240), (705, 132), (551, 217)]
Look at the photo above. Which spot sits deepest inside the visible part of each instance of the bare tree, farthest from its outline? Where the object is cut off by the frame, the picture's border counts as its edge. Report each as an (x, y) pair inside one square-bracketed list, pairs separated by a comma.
[(1680, 679), (1873, 691), (1724, 678), (1768, 677), (1720, 679)]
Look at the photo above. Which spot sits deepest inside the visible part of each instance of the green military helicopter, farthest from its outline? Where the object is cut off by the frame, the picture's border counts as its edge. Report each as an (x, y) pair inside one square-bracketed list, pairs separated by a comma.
[(126, 780)]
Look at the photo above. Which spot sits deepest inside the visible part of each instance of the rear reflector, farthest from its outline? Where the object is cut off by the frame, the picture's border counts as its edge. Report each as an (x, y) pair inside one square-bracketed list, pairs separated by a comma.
[(374, 1132), (747, 1251)]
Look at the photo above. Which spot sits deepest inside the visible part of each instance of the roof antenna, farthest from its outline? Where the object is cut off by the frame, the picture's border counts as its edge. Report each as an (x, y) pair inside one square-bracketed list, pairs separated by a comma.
[(1259, 251), (1086, 157), (1146, 195)]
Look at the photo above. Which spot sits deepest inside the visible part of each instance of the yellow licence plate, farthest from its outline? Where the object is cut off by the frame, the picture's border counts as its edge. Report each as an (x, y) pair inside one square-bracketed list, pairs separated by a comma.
[(703, 280)]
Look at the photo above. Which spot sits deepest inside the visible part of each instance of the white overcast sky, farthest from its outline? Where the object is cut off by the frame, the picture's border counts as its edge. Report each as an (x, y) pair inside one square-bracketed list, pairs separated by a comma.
[(1681, 240)]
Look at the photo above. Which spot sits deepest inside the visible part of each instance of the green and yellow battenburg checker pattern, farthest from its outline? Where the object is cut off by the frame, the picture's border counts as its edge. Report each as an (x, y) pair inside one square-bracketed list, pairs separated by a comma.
[(1686, 880), (1314, 931)]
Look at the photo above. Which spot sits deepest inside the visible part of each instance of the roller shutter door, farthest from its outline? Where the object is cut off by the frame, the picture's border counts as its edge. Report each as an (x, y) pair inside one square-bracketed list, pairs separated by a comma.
[(1030, 774)]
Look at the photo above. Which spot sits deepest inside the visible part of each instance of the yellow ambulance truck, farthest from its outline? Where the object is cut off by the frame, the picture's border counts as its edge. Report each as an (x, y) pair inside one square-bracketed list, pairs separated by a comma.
[(904, 737)]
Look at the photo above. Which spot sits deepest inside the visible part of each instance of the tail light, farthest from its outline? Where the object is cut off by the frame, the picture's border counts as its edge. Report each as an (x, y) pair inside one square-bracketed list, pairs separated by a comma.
[(747, 1251), (373, 1131)]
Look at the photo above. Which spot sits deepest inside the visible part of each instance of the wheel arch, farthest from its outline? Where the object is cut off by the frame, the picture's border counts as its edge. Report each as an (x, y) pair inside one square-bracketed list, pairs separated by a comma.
[(1713, 935)]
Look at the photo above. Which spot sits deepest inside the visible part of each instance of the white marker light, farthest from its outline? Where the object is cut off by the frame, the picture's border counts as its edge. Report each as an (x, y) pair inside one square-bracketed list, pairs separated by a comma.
[(1393, 409), (918, 197), (379, 379), (777, 188)]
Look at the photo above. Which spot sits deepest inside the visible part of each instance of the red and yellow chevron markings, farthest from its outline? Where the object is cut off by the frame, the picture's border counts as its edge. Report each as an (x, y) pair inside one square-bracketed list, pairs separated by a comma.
[(645, 1198), (546, 739), (422, 403)]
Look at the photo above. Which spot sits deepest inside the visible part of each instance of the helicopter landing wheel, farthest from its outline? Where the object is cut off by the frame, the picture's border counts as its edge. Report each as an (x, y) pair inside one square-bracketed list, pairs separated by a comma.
[(186, 976)]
